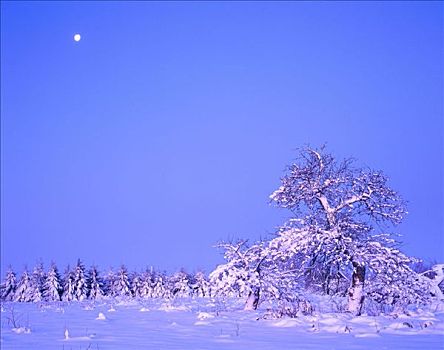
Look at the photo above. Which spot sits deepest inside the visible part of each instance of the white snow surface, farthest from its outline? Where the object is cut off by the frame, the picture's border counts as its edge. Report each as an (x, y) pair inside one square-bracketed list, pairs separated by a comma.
[(204, 323)]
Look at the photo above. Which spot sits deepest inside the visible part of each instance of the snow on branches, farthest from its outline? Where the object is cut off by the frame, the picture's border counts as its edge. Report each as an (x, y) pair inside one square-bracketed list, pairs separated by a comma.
[(334, 191), (338, 207), (258, 272)]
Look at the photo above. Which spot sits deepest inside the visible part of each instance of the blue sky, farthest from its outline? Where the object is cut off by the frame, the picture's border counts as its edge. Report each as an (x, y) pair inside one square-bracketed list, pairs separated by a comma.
[(168, 125)]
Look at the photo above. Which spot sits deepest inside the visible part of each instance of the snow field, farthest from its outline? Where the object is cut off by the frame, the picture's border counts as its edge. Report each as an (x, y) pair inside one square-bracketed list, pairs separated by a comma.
[(207, 324)]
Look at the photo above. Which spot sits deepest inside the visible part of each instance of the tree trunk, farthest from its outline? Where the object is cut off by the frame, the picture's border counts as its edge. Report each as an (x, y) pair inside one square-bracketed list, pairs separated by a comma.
[(253, 300), (356, 291)]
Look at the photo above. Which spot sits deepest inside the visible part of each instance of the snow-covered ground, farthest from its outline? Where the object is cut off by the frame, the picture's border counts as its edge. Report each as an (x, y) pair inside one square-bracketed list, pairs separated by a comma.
[(208, 324)]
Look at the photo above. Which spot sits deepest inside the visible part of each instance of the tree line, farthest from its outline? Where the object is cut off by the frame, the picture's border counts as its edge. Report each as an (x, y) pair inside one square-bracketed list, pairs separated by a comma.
[(79, 283)]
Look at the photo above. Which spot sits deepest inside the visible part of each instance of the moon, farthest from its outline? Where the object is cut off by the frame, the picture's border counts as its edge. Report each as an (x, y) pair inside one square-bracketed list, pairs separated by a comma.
[(77, 37)]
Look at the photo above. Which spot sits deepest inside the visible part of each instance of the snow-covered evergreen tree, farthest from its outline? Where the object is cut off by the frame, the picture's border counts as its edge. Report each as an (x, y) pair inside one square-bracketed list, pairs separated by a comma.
[(9, 285), (136, 285), (160, 286), (337, 208), (37, 281), (52, 286), (23, 291), (121, 285), (68, 285), (80, 282), (146, 284), (96, 284), (180, 284), (109, 282)]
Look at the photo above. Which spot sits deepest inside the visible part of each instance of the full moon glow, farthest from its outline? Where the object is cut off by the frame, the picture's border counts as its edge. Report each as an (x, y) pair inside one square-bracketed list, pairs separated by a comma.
[(77, 37)]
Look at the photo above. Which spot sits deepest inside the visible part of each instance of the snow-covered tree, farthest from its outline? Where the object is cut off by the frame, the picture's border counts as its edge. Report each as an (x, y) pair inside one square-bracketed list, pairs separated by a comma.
[(436, 276), (68, 285), (121, 285), (145, 289), (180, 284), (136, 285), (235, 278), (37, 281), (23, 291), (109, 282), (256, 271), (337, 208), (80, 282), (160, 286), (200, 285), (9, 286), (51, 286), (95, 284)]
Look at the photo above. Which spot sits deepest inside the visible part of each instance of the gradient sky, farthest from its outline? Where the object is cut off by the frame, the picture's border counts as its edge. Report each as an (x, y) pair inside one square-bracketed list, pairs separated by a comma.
[(168, 125)]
